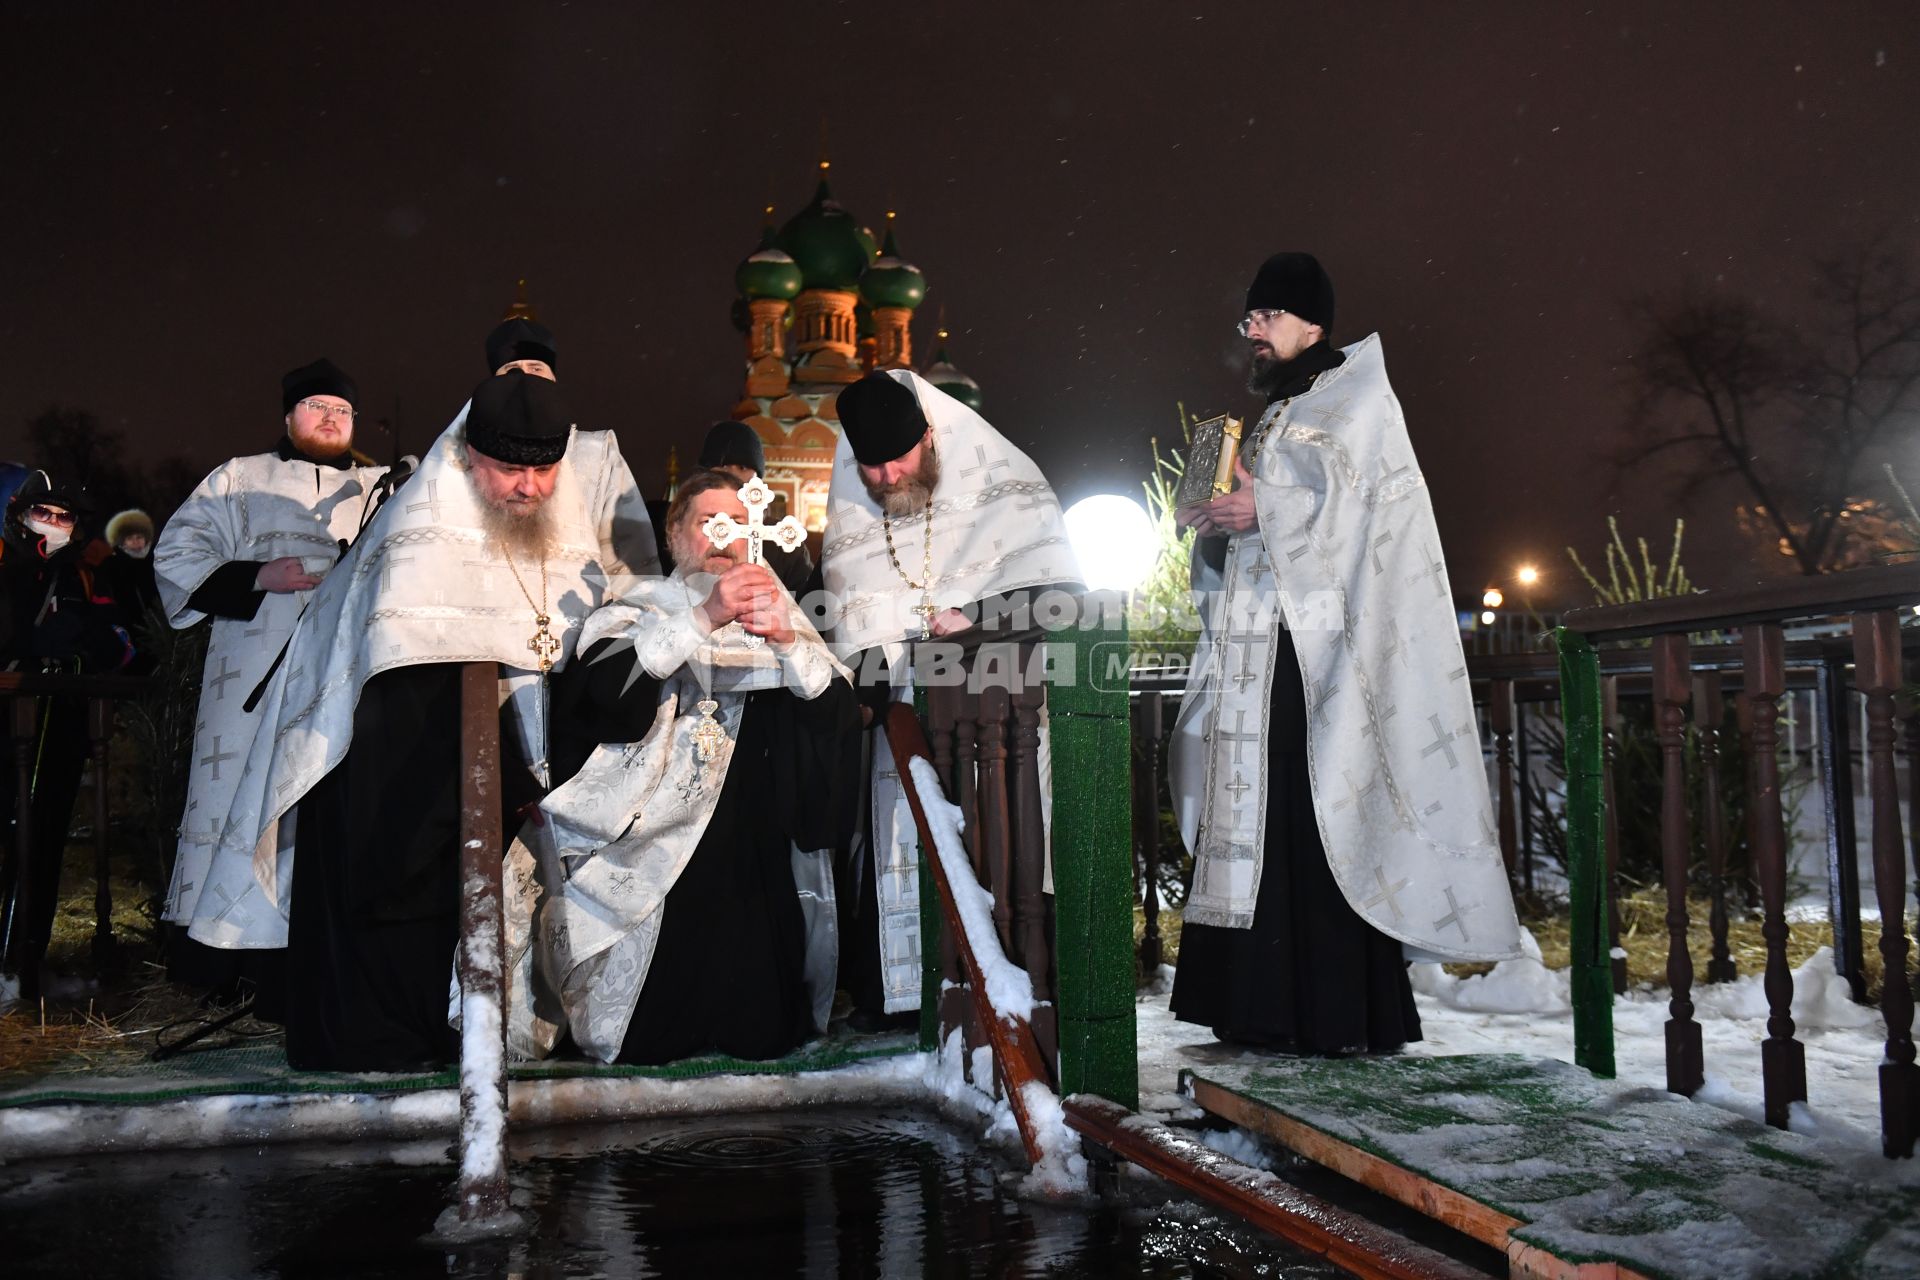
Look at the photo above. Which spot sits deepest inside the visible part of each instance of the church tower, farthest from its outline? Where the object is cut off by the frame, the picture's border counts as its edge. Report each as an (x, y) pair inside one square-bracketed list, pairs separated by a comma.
[(821, 304)]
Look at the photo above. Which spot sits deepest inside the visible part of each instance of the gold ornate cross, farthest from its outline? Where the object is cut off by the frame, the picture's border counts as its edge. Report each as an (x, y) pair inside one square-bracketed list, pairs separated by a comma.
[(708, 734), (544, 643)]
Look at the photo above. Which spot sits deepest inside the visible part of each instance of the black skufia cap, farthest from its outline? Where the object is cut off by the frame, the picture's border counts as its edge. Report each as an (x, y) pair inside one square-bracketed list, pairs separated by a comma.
[(733, 444), (321, 378), (1293, 282), (881, 419), (521, 339), (519, 418)]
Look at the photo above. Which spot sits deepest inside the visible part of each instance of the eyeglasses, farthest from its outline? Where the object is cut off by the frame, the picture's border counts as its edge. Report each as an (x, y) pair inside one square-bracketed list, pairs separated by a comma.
[(50, 515), (328, 410), (1255, 319)]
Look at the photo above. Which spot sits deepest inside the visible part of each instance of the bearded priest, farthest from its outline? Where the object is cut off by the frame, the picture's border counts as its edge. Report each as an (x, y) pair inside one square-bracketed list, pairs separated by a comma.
[(246, 549), (936, 524), (515, 527), (713, 734), (1326, 766)]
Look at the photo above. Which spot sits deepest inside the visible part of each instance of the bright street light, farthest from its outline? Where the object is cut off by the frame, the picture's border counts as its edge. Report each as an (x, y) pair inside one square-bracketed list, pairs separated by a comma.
[(1115, 541), (1528, 575), (1492, 598), (1486, 619)]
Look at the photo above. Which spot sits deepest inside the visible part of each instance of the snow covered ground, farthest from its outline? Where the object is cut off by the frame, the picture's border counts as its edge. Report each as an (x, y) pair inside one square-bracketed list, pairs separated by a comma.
[(1523, 1007)]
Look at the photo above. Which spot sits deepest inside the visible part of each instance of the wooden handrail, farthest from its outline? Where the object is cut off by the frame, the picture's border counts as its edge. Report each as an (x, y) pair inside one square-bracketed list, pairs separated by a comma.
[(1015, 1051), (1346, 1239), (1855, 591), (482, 1192)]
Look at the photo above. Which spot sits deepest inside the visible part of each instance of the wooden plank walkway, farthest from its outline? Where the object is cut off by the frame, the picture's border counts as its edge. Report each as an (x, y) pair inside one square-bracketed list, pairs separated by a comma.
[(1574, 1177)]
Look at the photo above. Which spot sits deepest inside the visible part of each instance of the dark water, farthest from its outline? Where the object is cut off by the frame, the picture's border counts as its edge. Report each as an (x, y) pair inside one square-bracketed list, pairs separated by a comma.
[(819, 1194)]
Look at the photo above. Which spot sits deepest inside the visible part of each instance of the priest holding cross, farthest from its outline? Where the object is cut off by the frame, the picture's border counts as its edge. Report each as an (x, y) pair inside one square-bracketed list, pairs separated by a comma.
[(722, 529), (662, 907)]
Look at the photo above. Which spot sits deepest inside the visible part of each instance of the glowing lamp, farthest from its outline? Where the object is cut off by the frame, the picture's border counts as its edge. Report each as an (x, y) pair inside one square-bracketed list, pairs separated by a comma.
[(1114, 540), (1492, 598)]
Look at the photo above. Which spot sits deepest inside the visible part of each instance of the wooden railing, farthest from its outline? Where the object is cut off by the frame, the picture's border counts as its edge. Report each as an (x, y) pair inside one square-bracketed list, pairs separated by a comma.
[(1646, 655), (1016, 1050), (23, 954), (1872, 600), (984, 737), (1514, 687)]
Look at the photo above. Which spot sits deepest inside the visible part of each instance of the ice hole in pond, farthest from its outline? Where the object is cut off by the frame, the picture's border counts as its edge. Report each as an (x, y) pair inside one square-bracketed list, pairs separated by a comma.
[(820, 1193)]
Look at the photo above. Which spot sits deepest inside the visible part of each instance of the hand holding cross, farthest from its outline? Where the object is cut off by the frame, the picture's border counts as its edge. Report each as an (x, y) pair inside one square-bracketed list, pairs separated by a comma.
[(723, 530)]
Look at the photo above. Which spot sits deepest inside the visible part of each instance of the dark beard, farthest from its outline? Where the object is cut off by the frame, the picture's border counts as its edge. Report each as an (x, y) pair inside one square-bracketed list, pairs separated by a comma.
[(525, 538), (1266, 374), (911, 495)]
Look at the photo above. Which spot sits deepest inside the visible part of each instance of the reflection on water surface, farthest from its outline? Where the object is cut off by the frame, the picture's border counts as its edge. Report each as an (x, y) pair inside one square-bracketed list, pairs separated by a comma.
[(827, 1194)]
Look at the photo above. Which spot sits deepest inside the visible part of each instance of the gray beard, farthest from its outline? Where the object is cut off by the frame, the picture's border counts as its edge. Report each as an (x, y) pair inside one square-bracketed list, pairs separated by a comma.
[(909, 497), (908, 500), (527, 538)]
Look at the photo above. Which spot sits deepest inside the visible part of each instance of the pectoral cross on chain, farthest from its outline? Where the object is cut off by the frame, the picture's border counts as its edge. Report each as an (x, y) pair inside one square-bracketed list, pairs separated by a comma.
[(723, 530), (708, 735), (545, 644)]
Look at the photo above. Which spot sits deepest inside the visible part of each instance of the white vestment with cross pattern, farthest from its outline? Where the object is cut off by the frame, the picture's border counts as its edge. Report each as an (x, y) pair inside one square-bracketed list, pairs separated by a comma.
[(257, 508), (1347, 556), (997, 528), (423, 584), (586, 888)]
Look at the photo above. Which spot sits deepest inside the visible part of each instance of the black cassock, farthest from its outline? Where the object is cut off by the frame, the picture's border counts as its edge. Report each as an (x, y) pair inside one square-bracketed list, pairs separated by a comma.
[(728, 973), (376, 881), (1310, 976)]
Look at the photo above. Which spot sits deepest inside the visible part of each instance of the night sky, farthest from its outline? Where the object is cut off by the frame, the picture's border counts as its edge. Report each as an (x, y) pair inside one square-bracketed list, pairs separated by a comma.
[(196, 198)]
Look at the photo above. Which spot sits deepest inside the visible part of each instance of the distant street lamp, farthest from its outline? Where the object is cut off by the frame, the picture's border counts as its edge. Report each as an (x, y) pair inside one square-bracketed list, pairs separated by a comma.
[(1527, 575), (1486, 619), (1492, 598)]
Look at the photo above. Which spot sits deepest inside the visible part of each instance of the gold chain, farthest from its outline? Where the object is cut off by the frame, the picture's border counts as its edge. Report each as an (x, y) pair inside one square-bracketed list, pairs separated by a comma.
[(926, 557), (544, 643)]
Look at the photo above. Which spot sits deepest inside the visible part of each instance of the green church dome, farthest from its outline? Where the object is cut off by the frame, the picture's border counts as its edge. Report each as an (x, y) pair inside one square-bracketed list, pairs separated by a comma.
[(768, 272), (892, 281), (943, 374), (831, 249)]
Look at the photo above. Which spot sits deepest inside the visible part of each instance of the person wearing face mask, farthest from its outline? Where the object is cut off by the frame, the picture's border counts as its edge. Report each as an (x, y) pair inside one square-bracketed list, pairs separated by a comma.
[(59, 618)]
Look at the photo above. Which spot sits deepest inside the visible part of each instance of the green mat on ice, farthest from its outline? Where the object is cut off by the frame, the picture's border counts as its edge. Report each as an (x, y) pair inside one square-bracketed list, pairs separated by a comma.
[(1601, 1172), (263, 1069)]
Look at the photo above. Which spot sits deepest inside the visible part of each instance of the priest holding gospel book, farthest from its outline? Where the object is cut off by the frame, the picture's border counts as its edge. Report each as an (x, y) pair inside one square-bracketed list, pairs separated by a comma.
[(1326, 765)]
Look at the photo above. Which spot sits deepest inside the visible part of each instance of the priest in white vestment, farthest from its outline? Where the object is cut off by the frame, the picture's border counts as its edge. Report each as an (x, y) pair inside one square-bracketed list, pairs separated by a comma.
[(246, 549), (1326, 762), (652, 910), (515, 527), (934, 520)]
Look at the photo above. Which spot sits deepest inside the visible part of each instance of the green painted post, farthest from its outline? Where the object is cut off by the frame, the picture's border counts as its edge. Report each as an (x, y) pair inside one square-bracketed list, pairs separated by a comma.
[(1592, 976), (1093, 858)]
